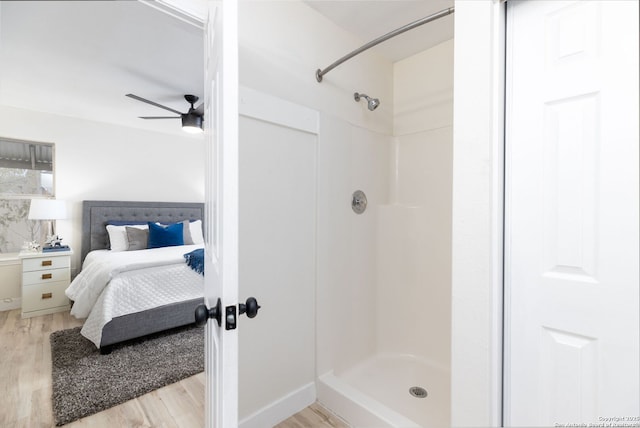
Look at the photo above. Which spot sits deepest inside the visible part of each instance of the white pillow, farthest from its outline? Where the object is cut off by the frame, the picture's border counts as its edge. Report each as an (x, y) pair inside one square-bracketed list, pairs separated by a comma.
[(195, 227), (118, 236)]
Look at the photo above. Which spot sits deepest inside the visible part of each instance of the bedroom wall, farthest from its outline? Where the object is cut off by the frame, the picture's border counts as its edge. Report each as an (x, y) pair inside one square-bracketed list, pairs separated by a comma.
[(10, 281), (101, 161)]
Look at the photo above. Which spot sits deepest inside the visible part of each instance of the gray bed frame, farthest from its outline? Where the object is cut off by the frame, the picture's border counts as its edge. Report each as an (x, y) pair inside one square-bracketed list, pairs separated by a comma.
[(95, 216)]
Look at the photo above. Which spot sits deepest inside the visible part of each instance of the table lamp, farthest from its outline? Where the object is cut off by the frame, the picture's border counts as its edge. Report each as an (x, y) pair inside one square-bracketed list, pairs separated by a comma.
[(48, 210)]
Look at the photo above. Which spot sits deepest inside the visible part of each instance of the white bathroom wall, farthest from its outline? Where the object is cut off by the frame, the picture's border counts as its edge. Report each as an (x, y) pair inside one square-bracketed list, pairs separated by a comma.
[(476, 280), (277, 253), (282, 43), (414, 248), (96, 160)]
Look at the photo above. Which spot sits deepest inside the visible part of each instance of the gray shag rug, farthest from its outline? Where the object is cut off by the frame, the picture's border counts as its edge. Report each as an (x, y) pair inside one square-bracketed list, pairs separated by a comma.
[(86, 382)]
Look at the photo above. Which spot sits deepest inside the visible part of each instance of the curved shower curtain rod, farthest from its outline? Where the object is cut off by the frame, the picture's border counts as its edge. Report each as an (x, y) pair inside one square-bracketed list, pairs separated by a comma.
[(410, 26)]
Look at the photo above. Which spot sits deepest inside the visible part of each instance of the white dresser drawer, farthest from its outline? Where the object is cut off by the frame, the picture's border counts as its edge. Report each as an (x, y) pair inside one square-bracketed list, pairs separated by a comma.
[(45, 276), (45, 263), (44, 296)]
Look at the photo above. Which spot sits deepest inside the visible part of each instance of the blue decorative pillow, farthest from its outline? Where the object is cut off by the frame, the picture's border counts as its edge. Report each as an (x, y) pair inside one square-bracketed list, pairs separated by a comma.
[(165, 236), (186, 232)]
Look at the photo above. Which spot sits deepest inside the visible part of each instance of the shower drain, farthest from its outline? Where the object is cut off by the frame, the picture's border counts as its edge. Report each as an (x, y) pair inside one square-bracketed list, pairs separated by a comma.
[(418, 392)]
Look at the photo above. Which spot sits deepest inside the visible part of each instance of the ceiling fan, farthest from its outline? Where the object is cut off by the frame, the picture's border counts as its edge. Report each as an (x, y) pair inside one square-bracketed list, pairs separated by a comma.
[(191, 120)]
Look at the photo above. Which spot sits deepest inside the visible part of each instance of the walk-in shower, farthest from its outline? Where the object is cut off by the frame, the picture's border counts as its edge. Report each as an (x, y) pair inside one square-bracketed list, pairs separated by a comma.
[(389, 266)]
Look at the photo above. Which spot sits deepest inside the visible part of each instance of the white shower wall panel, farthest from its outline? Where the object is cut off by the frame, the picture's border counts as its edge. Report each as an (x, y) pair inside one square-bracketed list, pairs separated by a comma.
[(349, 158), (414, 231), (413, 285), (333, 264), (423, 90), (424, 169), (414, 265)]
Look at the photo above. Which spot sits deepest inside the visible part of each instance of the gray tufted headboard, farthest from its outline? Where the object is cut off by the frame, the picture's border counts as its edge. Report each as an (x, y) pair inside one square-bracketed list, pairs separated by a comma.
[(96, 215)]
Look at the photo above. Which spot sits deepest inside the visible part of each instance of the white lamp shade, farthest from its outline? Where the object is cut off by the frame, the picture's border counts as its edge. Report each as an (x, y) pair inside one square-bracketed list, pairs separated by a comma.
[(47, 209)]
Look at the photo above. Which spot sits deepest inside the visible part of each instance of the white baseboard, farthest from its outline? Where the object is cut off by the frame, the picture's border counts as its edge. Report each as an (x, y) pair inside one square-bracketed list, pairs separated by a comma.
[(11, 303), (282, 408)]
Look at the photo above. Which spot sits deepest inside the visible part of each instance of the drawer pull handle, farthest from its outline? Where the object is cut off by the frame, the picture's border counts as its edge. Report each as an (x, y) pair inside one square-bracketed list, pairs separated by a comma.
[(46, 263), (46, 276), (47, 295)]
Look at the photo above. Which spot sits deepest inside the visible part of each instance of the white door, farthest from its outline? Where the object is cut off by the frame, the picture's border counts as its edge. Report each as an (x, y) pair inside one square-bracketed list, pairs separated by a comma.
[(221, 202), (571, 239)]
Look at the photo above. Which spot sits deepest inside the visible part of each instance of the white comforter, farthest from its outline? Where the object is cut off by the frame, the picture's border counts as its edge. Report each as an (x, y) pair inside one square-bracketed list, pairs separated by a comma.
[(113, 284)]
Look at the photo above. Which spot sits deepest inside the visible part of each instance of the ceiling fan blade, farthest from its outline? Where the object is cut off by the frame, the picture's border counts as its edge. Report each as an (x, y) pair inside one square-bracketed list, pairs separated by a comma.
[(135, 97), (159, 117), (200, 109)]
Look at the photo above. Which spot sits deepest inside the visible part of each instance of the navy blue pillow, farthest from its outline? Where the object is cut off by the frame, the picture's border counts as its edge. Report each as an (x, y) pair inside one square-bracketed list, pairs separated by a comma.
[(165, 236)]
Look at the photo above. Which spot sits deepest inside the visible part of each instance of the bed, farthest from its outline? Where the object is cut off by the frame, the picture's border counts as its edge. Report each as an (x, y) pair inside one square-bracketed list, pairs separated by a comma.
[(138, 297)]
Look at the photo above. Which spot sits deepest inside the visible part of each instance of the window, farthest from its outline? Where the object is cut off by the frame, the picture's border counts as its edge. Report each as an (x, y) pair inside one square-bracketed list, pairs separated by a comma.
[(26, 172)]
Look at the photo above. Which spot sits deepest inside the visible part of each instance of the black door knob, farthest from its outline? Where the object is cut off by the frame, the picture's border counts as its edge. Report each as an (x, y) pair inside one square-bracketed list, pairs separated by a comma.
[(250, 307), (203, 314)]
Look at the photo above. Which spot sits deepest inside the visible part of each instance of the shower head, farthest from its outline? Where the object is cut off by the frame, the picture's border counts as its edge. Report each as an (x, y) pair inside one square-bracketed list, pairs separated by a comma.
[(372, 103)]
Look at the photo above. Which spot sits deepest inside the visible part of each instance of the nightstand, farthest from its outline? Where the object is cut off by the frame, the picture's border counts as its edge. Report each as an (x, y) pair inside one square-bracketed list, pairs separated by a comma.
[(45, 277)]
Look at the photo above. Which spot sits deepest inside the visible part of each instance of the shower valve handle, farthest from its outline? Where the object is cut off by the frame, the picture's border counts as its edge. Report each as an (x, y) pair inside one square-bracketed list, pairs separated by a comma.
[(358, 202)]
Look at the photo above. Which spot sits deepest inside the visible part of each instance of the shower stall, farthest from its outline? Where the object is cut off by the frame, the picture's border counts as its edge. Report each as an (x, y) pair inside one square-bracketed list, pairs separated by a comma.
[(377, 192), (384, 268)]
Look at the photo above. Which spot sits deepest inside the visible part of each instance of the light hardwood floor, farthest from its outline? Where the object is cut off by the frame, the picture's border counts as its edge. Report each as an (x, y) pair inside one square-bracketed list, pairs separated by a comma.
[(25, 386)]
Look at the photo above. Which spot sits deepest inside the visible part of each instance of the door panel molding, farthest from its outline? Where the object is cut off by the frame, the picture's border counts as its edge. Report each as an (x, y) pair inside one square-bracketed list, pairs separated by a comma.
[(571, 174)]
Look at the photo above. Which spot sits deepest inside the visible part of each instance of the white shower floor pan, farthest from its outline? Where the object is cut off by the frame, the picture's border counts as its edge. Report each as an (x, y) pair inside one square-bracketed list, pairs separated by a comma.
[(375, 393)]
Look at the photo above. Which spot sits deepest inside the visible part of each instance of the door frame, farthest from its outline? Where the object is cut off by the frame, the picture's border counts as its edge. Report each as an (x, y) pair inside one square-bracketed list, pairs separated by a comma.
[(221, 253), (478, 219)]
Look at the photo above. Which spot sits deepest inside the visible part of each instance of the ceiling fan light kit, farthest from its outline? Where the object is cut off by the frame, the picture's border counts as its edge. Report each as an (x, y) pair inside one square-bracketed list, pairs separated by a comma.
[(191, 123), (191, 120)]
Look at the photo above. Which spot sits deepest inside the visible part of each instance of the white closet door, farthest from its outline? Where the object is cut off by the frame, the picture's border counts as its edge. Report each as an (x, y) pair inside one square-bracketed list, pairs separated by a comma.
[(571, 240)]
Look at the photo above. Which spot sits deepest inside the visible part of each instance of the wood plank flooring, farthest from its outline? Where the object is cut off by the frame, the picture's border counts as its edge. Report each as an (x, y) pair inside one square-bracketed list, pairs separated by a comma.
[(25, 386), (313, 416)]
